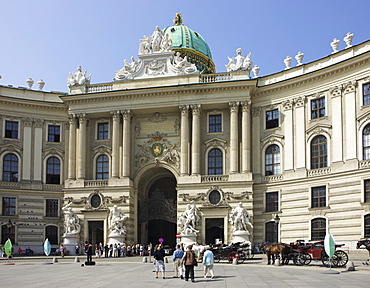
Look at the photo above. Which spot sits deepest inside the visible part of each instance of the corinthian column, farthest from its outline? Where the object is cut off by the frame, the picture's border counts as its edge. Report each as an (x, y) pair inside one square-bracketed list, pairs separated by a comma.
[(234, 163), (115, 143), (184, 161), (82, 118), (246, 136), (126, 141), (195, 147), (72, 147)]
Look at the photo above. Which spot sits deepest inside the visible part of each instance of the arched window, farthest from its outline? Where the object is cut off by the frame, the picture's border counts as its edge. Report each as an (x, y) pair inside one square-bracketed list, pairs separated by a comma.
[(272, 160), (318, 229), (7, 232), (51, 232), (53, 171), (367, 226), (102, 167), (271, 232), (10, 168), (215, 162), (366, 142), (319, 152)]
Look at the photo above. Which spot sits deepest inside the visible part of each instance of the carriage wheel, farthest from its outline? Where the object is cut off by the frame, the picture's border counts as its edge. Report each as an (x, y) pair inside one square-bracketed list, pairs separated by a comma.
[(305, 258), (238, 255), (216, 258), (340, 258), (297, 259)]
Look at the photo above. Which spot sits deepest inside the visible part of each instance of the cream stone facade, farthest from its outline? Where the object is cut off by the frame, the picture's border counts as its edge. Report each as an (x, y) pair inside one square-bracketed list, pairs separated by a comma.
[(293, 144)]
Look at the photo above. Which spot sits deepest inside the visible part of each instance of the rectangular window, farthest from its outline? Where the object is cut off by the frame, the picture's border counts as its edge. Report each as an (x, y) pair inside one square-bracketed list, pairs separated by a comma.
[(318, 108), (367, 191), (53, 133), (272, 119), (318, 197), (103, 131), (366, 93), (11, 129), (272, 201), (9, 206), (215, 124), (52, 208)]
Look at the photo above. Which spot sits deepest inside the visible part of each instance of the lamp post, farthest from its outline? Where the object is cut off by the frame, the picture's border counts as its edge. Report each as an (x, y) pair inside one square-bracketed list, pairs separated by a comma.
[(277, 221)]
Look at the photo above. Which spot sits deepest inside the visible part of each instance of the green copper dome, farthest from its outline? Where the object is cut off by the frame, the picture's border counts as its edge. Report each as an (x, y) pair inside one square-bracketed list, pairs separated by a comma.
[(191, 44)]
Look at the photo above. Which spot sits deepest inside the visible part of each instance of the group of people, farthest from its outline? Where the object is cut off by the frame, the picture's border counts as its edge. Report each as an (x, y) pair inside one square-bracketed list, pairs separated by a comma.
[(117, 250), (184, 260)]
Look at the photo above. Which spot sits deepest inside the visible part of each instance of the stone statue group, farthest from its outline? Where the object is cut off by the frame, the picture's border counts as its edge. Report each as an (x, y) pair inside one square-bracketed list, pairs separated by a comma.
[(239, 218)]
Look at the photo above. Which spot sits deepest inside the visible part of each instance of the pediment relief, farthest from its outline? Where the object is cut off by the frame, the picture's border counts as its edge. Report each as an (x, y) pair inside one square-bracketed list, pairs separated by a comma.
[(363, 119), (216, 142), (319, 128), (52, 151), (272, 139), (102, 149), (10, 148)]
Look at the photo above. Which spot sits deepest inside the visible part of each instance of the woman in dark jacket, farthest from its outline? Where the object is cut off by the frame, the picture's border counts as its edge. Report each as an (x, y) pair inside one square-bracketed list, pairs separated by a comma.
[(159, 260), (189, 260)]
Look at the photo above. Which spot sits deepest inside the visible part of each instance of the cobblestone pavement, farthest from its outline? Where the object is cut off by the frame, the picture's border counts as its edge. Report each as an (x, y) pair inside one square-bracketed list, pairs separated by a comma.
[(132, 272)]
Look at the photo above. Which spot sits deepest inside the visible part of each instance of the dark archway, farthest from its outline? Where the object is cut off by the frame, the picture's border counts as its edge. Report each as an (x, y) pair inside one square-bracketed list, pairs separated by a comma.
[(214, 230), (158, 212)]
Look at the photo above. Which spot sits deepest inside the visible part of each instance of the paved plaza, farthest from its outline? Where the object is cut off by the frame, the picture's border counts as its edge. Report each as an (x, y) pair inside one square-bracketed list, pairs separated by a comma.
[(131, 272)]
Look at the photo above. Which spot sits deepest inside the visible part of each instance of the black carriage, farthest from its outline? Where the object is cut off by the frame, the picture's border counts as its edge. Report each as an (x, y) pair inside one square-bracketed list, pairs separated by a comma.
[(238, 251)]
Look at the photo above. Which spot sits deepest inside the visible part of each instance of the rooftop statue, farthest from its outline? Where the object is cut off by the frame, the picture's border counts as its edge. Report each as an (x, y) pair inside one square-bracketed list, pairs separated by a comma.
[(255, 70), (299, 58), (348, 40), (239, 217), (334, 45), (78, 78), (178, 19), (182, 65), (116, 220), (239, 62), (287, 62), (71, 221)]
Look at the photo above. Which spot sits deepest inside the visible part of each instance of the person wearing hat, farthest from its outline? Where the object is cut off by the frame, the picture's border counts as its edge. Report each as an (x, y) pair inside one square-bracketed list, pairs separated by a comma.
[(208, 261), (176, 258)]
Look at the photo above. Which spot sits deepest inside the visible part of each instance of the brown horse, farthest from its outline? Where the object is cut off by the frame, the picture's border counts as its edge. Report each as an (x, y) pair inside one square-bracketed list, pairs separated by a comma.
[(366, 243), (280, 249)]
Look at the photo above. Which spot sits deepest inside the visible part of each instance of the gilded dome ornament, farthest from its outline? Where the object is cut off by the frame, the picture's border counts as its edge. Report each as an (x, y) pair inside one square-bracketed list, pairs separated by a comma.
[(178, 20)]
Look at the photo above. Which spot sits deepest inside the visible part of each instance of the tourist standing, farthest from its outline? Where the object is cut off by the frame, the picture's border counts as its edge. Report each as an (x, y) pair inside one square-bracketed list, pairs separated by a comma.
[(189, 261), (208, 261), (159, 260), (88, 251), (176, 258), (62, 250), (77, 249)]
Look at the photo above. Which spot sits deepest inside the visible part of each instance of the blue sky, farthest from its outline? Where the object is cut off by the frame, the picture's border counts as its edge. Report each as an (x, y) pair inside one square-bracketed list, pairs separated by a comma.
[(48, 39)]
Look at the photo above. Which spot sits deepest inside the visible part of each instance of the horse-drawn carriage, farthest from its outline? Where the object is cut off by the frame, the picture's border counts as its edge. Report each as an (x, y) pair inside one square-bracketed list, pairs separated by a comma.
[(302, 253), (239, 251)]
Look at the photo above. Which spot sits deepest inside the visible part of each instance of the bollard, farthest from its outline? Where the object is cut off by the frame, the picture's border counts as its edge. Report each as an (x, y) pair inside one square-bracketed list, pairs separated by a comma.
[(235, 261), (277, 262), (55, 260), (145, 259), (350, 266), (165, 260), (77, 259)]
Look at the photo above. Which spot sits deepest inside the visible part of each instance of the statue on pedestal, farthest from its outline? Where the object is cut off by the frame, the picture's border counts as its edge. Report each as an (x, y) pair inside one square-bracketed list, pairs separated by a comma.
[(78, 78), (241, 63), (115, 220), (334, 45), (299, 58), (287, 62), (239, 217), (71, 221), (188, 219)]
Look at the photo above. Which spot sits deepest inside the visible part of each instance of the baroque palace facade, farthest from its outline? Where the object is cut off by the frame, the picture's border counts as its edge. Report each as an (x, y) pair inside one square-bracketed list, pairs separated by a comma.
[(169, 131)]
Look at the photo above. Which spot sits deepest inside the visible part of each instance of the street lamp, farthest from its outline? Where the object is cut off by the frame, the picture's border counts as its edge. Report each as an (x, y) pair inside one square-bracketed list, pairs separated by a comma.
[(277, 221)]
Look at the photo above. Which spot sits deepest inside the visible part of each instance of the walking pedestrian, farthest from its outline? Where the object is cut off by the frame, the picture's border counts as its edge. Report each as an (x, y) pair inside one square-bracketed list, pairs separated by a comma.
[(88, 251), (159, 261), (176, 258), (189, 260), (208, 261)]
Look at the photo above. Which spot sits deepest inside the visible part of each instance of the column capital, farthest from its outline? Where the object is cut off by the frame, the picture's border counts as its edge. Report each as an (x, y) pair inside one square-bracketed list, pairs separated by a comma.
[(234, 106), (195, 109), (82, 118), (72, 118), (349, 87), (126, 114), (246, 105), (184, 109), (115, 114)]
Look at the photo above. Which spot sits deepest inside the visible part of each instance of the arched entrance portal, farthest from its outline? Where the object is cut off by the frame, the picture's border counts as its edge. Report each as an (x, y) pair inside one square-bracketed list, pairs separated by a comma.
[(158, 210)]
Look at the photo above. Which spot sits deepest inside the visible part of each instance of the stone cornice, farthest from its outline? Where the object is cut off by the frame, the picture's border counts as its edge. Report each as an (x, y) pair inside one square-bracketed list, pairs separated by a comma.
[(32, 104)]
